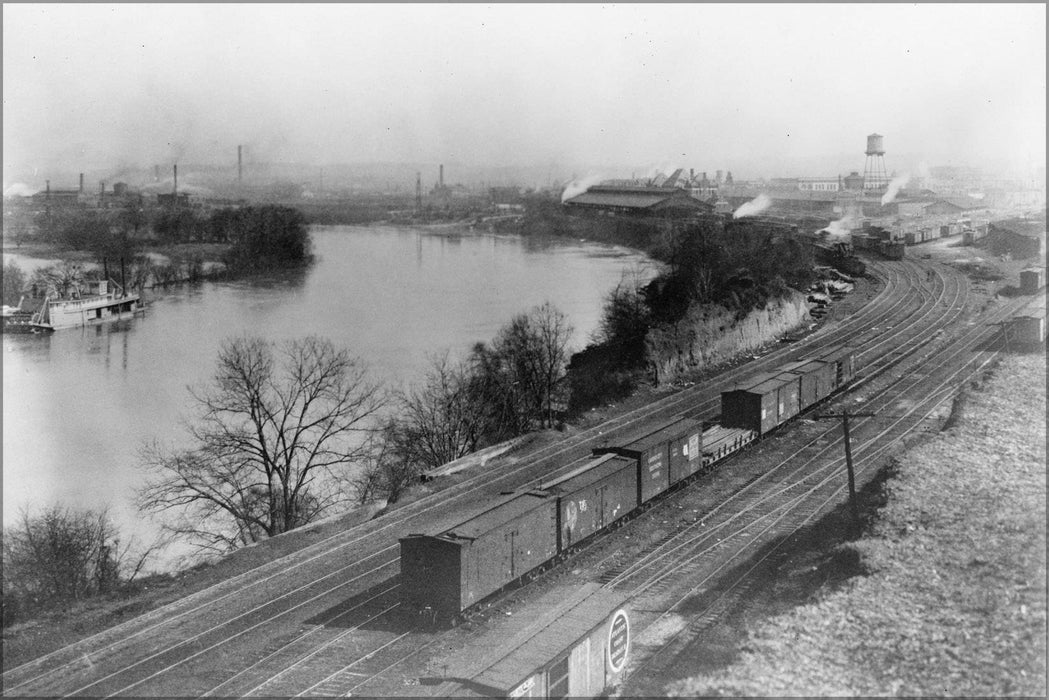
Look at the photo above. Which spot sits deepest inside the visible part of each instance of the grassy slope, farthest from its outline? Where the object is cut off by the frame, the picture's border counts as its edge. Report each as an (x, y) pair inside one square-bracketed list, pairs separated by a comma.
[(955, 603)]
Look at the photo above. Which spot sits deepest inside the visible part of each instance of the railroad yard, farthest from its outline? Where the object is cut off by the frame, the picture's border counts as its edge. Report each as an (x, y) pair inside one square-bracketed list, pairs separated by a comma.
[(327, 619)]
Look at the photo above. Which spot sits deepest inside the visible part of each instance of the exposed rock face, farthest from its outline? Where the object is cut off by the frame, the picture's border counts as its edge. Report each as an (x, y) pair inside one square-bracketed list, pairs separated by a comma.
[(709, 335)]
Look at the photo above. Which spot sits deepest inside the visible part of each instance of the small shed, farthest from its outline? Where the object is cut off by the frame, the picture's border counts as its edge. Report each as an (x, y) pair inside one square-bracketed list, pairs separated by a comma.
[(1032, 279)]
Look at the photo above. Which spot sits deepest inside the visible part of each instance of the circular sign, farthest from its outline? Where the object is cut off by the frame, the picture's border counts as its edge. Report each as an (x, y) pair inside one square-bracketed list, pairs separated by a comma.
[(618, 641)]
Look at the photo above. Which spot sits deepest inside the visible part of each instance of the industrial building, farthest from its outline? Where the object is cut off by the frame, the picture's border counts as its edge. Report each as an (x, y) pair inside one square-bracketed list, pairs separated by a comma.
[(612, 200)]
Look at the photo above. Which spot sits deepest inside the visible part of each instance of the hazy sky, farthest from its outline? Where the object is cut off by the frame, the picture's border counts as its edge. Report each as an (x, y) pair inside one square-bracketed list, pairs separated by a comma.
[(784, 88)]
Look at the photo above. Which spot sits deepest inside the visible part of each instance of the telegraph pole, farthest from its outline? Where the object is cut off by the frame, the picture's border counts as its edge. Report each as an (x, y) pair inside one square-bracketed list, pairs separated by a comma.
[(845, 415)]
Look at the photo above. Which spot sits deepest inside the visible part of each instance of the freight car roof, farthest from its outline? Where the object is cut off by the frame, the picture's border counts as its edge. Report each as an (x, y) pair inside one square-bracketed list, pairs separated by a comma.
[(769, 385), (500, 513), (567, 621), (588, 473), (807, 366), (642, 442)]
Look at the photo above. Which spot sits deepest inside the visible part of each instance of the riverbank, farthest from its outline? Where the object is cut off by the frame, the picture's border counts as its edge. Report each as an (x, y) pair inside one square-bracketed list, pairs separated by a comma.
[(947, 594)]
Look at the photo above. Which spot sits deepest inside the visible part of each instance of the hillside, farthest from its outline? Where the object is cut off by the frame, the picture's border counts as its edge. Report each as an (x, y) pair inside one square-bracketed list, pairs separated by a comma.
[(954, 597)]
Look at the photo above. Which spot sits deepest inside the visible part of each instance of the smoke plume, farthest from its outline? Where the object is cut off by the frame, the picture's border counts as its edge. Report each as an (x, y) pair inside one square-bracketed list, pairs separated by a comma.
[(894, 188), (841, 227), (577, 187), (20, 190), (754, 206)]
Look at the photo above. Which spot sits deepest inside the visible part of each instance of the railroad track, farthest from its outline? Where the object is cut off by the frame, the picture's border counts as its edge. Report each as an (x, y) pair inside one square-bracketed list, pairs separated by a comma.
[(171, 649), (776, 517), (958, 291)]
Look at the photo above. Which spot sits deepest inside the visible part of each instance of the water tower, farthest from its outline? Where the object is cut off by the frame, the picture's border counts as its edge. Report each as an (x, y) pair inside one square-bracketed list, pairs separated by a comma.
[(874, 175)]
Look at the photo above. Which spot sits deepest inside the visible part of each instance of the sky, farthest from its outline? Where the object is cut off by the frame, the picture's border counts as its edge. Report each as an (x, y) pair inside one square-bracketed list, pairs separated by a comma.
[(762, 90)]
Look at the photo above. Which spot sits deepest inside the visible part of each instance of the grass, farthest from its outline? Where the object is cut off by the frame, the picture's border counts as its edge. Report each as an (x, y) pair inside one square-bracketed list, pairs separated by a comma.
[(955, 599)]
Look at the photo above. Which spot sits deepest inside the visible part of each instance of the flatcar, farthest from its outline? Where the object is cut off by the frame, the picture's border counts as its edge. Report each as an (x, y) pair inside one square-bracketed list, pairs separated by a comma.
[(447, 573)]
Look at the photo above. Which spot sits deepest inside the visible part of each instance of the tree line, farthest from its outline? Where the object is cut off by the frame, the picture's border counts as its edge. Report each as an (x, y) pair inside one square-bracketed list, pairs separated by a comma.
[(258, 237)]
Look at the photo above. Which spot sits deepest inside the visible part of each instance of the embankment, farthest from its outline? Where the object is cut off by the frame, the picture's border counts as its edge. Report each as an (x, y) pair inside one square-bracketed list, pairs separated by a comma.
[(712, 334)]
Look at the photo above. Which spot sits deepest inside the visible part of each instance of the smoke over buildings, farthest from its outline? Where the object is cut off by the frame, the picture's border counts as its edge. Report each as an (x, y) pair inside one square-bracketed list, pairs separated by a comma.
[(894, 188), (754, 206)]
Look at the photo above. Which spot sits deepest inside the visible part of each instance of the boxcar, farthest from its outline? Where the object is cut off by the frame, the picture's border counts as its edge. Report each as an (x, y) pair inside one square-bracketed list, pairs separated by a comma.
[(843, 358), (578, 647), (893, 251), (759, 406), (593, 497), (817, 380), (449, 572), (686, 450)]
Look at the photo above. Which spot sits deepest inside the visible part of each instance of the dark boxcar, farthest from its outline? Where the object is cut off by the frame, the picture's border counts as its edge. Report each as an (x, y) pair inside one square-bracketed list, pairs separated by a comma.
[(593, 497), (753, 406), (686, 450), (893, 251), (449, 572)]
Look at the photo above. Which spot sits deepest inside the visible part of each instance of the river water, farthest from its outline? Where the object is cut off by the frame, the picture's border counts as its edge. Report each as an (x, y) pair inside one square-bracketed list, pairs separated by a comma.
[(79, 404)]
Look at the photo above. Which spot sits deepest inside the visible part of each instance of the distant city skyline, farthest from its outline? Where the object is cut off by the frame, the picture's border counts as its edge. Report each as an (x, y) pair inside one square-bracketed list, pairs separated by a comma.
[(762, 90)]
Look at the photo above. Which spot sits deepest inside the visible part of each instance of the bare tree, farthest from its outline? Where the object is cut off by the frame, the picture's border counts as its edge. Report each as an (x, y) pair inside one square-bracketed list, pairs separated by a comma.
[(277, 429), (440, 420), (533, 349), (61, 555), (386, 473)]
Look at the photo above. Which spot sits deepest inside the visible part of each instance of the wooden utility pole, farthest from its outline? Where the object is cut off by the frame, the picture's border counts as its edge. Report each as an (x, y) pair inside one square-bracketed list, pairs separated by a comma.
[(845, 415)]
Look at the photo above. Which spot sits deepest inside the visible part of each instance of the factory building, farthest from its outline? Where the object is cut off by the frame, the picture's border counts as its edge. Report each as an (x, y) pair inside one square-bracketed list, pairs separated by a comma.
[(615, 200)]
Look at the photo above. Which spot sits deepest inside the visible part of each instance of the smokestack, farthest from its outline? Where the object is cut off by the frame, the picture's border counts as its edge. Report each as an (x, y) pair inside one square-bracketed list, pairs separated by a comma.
[(418, 190), (48, 195), (81, 183), (156, 173), (176, 179), (440, 179), (240, 171), (691, 174)]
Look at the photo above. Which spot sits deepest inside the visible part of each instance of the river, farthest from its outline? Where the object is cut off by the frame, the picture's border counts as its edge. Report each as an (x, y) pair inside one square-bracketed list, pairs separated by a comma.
[(79, 404)]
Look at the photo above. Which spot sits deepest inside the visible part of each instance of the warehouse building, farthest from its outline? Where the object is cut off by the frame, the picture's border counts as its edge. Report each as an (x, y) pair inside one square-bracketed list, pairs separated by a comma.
[(613, 200)]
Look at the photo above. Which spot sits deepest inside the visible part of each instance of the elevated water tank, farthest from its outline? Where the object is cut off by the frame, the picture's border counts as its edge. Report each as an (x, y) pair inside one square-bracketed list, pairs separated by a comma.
[(875, 146)]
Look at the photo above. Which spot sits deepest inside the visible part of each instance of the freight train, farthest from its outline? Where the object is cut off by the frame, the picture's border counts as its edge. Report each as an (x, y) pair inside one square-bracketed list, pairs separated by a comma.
[(447, 573)]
